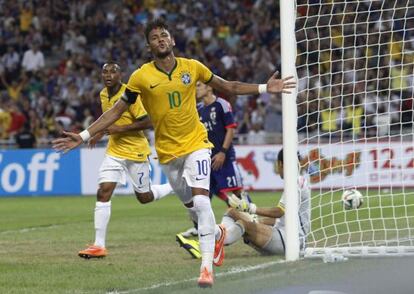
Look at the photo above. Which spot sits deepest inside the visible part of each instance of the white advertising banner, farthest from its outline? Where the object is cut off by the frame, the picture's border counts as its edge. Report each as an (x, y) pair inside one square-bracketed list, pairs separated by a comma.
[(330, 165), (376, 165)]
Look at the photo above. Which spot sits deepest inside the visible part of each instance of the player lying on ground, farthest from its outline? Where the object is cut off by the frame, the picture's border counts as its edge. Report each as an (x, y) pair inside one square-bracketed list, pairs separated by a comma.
[(126, 154), (166, 87), (265, 233), (217, 116)]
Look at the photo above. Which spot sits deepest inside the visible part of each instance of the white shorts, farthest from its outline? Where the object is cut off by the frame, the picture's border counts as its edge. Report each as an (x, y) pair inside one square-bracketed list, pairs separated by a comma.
[(189, 171), (115, 170)]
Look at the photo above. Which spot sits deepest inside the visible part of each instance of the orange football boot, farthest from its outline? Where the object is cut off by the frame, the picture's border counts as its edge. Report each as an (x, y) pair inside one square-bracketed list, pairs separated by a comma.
[(219, 248), (93, 251), (206, 279)]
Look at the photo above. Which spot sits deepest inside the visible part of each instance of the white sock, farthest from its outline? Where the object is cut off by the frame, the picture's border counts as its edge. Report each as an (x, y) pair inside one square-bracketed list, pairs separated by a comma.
[(206, 227), (102, 216), (234, 232), (160, 191)]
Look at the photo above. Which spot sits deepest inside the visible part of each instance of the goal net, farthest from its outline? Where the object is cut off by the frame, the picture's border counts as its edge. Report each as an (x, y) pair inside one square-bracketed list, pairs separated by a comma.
[(355, 113)]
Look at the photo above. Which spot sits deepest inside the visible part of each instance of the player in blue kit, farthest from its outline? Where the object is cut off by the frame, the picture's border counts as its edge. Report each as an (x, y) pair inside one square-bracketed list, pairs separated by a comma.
[(217, 116)]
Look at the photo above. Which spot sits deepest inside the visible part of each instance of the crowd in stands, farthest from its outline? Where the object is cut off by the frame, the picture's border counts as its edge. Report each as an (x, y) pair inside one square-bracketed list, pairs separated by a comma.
[(51, 53), (356, 78)]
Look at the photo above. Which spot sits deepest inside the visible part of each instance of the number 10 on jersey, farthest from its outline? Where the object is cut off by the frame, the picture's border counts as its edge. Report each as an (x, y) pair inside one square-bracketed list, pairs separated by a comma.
[(175, 99)]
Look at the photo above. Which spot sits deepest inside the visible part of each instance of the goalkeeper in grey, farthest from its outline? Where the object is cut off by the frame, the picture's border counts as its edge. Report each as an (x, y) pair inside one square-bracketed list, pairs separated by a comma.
[(263, 228)]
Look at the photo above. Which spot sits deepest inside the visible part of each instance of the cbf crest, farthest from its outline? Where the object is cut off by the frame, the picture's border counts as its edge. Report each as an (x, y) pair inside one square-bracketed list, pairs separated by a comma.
[(186, 78)]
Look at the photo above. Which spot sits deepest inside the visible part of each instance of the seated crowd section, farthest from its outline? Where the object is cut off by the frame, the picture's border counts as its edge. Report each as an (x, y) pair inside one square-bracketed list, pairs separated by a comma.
[(51, 54)]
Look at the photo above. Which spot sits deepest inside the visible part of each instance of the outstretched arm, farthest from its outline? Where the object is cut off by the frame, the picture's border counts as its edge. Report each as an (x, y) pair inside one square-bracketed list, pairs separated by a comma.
[(138, 125), (271, 212), (250, 207), (73, 140), (273, 86)]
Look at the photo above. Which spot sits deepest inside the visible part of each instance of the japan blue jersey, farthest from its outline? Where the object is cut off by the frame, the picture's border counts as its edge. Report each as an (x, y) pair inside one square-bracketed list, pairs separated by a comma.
[(217, 117)]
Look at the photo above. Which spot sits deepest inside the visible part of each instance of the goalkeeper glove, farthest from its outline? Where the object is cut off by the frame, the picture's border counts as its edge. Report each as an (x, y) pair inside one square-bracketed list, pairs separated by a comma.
[(241, 204)]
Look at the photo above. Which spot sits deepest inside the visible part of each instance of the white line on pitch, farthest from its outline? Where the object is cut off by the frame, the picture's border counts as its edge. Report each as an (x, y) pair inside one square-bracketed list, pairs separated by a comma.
[(232, 271), (25, 230)]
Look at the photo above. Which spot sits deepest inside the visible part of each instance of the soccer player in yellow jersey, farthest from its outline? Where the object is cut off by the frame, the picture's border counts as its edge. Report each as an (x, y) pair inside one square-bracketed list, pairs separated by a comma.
[(167, 88), (126, 154)]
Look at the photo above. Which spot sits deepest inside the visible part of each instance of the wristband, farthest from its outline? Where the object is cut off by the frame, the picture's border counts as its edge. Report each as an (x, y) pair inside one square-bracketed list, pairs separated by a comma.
[(252, 208), (85, 135), (262, 88), (223, 149)]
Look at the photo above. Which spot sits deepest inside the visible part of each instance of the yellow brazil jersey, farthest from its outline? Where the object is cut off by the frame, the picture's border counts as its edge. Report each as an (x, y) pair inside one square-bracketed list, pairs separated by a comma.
[(131, 145), (170, 100)]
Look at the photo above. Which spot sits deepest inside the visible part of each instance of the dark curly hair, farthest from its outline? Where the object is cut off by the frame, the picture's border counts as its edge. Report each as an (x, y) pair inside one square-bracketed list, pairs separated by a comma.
[(157, 23)]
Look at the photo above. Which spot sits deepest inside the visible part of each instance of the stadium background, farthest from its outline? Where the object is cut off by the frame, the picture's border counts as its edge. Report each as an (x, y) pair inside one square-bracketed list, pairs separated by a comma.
[(51, 53), (57, 85)]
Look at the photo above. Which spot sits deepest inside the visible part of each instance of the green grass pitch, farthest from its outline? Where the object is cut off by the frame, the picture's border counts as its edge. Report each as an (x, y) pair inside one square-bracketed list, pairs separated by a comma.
[(40, 237)]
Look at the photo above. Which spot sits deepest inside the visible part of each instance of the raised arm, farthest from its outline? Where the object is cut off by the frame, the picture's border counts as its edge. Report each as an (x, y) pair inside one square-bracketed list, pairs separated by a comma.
[(250, 207), (273, 85)]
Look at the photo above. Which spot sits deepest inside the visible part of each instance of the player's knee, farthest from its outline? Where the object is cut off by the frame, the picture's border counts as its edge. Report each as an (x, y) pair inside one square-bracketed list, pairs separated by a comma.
[(201, 203), (103, 194), (233, 213), (144, 198)]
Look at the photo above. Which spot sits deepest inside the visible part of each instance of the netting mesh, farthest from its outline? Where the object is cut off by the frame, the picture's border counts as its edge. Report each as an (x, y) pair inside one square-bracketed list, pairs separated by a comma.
[(355, 68)]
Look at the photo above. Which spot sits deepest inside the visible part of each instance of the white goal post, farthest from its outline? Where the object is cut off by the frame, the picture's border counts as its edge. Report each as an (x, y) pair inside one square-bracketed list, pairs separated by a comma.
[(352, 122)]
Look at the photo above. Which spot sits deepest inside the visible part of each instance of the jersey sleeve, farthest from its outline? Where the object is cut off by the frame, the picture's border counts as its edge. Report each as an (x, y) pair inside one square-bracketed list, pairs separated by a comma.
[(204, 74), (133, 88), (227, 114), (137, 109), (103, 97), (282, 202)]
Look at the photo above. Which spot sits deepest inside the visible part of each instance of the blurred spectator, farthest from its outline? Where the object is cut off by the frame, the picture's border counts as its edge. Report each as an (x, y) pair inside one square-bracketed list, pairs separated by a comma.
[(5, 119), (240, 40), (14, 89), (33, 59), (17, 119), (11, 63), (382, 120), (273, 115), (88, 118), (26, 16), (25, 138), (329, 117)]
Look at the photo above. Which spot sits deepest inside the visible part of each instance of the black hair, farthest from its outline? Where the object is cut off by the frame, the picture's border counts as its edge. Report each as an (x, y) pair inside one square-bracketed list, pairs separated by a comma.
[(118, 67), (156, 23), (280, 156)]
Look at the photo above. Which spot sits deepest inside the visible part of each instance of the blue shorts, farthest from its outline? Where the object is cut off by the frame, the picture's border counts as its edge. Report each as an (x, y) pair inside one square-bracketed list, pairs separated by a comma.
[(228, 178)]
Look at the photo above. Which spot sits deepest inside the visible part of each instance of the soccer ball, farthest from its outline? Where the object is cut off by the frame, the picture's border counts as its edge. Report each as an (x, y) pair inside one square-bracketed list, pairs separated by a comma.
[(352, 199)]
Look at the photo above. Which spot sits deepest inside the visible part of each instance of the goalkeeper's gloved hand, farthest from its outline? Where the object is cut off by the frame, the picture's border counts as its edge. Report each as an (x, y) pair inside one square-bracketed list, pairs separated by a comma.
[(241, 204)]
